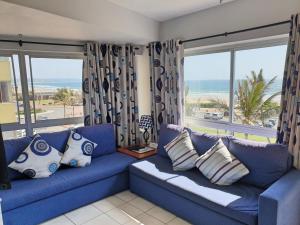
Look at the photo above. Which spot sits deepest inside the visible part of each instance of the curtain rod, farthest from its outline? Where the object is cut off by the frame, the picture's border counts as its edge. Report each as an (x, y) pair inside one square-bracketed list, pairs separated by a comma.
[(20, 42), (235, 32)]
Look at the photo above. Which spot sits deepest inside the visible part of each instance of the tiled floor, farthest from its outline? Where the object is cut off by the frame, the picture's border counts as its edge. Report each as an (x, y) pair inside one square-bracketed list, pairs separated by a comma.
[(122, 208)]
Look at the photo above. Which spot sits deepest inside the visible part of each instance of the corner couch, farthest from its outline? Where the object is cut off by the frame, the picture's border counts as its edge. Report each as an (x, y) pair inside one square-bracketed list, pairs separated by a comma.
[(269, 195), (32, 201)]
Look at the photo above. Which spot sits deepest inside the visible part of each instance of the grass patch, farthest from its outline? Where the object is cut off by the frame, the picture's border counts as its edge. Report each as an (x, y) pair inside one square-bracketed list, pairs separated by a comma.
[(237, 135)]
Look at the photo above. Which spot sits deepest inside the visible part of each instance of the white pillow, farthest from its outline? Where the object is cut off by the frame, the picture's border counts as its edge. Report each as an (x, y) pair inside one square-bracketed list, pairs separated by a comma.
[(38, 160), (181, 151), (220, 166), (78, 151)]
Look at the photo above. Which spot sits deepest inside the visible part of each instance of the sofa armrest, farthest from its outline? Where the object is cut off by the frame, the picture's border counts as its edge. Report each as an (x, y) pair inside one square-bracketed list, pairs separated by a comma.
[(280, 203)]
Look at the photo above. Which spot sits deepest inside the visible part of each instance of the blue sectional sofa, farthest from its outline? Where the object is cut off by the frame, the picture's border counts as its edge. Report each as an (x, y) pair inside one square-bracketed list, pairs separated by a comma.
[(32, 201), (269, 195)]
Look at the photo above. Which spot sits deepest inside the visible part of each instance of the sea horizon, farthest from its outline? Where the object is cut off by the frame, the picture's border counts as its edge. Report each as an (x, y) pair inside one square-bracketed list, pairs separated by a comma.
[(196, 87)]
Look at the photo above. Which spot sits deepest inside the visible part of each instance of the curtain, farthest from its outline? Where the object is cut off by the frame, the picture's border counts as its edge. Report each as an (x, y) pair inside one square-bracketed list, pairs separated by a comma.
[(110, 90), (167, 84), (289, 118), (4, 177)]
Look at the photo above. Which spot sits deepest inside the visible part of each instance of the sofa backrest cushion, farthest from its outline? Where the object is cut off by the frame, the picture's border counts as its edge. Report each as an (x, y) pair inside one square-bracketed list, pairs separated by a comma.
[(203, 142), (13, 148), (103, 135), (167, 133), (57, 140), (266, 162)]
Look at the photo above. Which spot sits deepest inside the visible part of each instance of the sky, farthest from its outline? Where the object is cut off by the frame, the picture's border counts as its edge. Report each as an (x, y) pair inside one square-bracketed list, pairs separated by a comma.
[(202, 67), (217, 66), (56, 68)]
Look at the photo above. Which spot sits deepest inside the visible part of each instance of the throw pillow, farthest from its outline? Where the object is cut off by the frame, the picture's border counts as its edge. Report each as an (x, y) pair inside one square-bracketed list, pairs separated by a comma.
[(181, 151), (78, 151), (38, 160), (220, 166)]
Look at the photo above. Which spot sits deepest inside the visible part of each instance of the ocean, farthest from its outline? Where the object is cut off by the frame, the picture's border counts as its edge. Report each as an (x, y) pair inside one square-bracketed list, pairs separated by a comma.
[(210, 87), (53, 84)]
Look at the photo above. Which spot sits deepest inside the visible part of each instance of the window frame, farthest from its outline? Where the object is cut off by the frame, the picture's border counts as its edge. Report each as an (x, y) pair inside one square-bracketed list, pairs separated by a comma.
[(28, 125), (232, 48)]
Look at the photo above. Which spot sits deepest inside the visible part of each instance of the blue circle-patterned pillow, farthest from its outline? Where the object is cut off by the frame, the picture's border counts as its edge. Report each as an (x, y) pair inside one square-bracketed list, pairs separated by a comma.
[(87, 148), (74, 163), (22, 158), (38, 160), (53, 167), (40, 147), (78, 152), (29, 172), (76, 136)]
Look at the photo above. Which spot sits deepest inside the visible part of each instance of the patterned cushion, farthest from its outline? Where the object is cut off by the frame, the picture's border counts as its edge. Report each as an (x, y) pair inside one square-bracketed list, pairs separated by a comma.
[(78, 151), (181, 151), (38, 160), (220, 166)]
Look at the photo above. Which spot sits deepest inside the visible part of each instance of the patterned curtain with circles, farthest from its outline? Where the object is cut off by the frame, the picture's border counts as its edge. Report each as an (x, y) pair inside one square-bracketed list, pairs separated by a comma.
[(288, 131), (167, 84), (110, 90)]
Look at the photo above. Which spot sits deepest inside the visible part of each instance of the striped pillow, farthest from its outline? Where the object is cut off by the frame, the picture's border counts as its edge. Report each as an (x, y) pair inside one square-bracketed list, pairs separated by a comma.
[(220, 166), (181, 151)]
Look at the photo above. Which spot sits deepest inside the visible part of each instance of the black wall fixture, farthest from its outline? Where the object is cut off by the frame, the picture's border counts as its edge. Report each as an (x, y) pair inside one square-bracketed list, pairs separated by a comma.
[(4, 180)]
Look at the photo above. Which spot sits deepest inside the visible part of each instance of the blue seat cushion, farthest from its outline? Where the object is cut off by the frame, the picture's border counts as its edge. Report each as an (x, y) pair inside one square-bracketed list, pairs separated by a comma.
[(13, 148), (203, 142), (266, 162), (103, 135), (167, 133), (238, 201), (26, 191)]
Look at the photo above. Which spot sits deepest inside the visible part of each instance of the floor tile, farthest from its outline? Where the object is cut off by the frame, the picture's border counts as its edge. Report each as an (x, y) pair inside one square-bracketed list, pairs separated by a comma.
[(108, 204), (178, 221), (131, 210), (134, 222), (148, 220), (115, 201), (126, 196), (102, 220), (84, 214), (161, 214), (120, 216), (58, 221), (141, 204)]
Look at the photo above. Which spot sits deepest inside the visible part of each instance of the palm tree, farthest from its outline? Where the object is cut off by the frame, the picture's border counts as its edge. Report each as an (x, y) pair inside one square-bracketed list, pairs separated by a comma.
[(65, 96), (251, 103)]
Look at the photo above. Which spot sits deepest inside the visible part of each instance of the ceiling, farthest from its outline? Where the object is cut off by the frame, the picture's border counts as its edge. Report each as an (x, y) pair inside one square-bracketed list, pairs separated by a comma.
[(162, 10)]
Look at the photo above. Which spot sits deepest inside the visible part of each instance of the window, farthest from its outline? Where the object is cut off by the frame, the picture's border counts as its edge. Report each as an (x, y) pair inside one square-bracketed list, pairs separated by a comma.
[(235, 90), (55, 85), (41, 93), (10, 91)]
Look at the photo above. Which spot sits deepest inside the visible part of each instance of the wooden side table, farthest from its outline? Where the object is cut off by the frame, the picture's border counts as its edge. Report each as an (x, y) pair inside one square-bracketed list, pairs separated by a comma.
[(136, 154)]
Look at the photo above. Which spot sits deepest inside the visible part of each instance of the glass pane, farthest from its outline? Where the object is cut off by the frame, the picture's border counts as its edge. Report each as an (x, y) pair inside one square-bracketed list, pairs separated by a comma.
[(207, 84), (257, 87), (207, 130), (56, 91), (11, 106), (7, 135), (254, 137)]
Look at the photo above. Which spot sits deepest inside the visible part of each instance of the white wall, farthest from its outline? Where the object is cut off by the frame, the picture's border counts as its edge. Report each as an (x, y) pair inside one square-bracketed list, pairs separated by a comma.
[(232, 16), (97, 20), (143, 82)]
